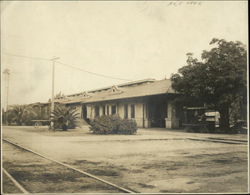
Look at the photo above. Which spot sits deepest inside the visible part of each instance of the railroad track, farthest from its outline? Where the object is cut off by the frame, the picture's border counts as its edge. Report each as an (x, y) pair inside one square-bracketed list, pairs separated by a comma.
[(220, 140), (84, 173), (17, 184)]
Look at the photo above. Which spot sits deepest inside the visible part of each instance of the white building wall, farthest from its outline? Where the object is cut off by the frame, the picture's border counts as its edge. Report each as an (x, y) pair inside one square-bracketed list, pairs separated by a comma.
[(120, 110), (100, 111), (138, 111), (90, 111), (141, 115)]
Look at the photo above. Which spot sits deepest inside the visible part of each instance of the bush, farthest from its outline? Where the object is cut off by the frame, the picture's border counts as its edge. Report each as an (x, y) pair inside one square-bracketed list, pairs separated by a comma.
[(64, 117), (113, 125), (127, 127)]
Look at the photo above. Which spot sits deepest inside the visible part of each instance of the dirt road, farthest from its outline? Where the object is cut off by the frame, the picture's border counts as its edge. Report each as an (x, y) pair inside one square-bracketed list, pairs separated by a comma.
[(151, 161)]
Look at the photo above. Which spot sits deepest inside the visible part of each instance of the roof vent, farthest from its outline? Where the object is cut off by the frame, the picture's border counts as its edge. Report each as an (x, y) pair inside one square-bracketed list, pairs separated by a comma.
[(114, 90), (85, 94)]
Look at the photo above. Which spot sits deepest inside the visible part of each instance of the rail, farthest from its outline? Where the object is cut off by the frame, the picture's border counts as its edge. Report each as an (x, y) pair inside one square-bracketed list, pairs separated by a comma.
[(73, 168)]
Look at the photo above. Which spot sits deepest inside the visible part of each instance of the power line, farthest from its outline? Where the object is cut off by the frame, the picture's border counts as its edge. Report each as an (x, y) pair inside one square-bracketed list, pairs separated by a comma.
[(97, 74), (74, 67), (28, 57)]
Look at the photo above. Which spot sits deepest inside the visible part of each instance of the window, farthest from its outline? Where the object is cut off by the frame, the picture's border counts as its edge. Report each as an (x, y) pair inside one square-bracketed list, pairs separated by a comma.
[(103, 110), (97, 111), (167, 110), (107, 109), (113, 109), (126, 111), (132, 111)]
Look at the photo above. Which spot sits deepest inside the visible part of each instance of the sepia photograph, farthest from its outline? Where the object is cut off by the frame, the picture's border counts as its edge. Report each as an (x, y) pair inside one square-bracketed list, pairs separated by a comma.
[(115, 97)]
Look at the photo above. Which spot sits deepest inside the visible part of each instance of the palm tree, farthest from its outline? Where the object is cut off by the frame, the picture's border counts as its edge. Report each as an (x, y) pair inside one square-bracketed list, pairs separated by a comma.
[(21, 114), (64, 117)]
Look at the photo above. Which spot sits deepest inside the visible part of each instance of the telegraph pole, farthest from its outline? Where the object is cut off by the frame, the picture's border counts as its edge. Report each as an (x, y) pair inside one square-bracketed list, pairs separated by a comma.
[(53, 86), (6, 72)]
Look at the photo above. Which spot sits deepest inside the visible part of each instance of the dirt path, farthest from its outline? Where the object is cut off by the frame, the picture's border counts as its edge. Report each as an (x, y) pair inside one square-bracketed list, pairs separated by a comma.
[(39, 175), (149, 162)]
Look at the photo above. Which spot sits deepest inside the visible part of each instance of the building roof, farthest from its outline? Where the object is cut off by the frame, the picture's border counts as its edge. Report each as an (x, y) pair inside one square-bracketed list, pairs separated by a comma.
[(135, 89), (127, 84)]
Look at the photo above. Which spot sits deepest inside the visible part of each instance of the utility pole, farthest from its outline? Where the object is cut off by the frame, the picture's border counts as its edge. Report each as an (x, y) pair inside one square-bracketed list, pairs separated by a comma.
[(53, 86), (6, 72)]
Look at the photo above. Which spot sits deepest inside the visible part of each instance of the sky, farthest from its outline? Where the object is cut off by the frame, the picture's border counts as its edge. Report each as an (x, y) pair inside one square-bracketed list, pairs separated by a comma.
[(130, 40)]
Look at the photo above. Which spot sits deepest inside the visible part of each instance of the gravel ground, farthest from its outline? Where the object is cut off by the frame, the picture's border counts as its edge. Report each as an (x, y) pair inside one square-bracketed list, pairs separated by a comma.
[(154, 160), (38, 175), (8, 186)]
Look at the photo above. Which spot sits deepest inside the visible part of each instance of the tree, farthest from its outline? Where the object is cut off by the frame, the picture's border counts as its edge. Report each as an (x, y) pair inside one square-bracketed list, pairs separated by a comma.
[(64, 117), (4, 117), (21, 114), (219, 79)]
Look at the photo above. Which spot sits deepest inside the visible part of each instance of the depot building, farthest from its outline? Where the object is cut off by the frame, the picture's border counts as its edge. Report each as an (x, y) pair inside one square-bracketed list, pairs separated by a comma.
[(149, 102)]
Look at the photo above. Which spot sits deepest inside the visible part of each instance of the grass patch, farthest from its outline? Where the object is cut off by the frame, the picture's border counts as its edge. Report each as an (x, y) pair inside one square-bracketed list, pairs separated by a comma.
[(169, 165), (78, 162), (103, 172), (36, 176), (146, 185)]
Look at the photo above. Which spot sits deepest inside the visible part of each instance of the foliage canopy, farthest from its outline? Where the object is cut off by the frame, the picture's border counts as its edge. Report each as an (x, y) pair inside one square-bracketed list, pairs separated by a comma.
[(218, 80)]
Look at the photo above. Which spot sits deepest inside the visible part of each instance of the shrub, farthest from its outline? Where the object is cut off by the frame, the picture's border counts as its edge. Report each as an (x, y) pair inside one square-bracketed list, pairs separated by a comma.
[(113, 125), (64, 117), (104, 124), (127, 127)]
